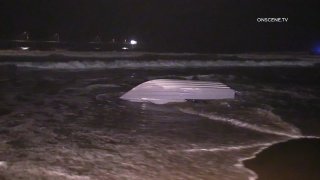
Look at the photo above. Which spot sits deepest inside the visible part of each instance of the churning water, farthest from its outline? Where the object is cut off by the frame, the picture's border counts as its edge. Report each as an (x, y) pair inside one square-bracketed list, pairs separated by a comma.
[(63, 119)]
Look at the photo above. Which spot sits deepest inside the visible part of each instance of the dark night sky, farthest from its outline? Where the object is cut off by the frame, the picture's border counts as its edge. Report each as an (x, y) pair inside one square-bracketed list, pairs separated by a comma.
[(190, 25)]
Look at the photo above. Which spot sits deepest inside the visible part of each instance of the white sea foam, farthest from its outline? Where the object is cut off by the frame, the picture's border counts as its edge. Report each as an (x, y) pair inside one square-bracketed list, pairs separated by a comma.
[(3, 164), (290, 131), (156, 64), (231, 148)]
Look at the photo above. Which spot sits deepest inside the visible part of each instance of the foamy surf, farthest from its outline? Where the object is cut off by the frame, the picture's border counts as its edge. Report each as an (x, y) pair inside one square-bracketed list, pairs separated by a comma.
[(290, 131), (73, 125), (156, 64), (228, 148)]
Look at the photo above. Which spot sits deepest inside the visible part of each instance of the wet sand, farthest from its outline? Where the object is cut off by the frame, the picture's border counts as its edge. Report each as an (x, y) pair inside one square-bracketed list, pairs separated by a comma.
[(293, 160)]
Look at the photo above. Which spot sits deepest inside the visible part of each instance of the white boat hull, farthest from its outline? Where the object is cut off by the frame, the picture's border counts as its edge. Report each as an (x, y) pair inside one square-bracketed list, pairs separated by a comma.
[(162, 91)]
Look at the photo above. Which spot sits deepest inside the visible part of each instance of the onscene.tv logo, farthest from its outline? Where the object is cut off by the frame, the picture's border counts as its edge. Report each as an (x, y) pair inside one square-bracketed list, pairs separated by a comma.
[(272, 20)]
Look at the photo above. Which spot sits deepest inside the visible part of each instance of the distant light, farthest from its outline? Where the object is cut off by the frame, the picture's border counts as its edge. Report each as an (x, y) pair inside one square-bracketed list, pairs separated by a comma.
[(24, 48), (124, 48), (133, 42), (317, 50)]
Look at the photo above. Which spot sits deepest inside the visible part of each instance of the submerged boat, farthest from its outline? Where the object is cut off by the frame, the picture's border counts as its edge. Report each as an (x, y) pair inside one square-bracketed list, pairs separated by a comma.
[(162, 91)]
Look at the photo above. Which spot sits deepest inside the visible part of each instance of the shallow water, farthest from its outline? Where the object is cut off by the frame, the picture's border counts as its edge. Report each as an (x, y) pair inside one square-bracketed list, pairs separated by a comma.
[(67, 123)]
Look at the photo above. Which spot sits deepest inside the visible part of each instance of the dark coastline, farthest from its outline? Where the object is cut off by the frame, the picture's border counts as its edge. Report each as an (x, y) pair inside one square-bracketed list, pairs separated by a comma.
[(293, 160)]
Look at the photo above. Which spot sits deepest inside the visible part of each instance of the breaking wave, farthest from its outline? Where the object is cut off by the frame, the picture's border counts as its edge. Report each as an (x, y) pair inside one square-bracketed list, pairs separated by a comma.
[(155, 64), (121, 54)]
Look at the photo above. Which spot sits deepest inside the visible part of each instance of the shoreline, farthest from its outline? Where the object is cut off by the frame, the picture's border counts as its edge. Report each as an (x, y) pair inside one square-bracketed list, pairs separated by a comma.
[(293, 159)]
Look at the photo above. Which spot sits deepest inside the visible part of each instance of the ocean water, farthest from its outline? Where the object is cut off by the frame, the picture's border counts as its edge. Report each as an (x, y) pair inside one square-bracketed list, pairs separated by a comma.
[(61, 117)]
